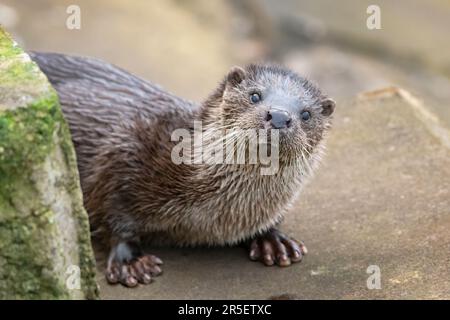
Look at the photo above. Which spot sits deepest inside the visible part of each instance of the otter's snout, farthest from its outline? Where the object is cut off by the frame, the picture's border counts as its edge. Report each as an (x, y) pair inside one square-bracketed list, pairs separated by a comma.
[(279, 119)]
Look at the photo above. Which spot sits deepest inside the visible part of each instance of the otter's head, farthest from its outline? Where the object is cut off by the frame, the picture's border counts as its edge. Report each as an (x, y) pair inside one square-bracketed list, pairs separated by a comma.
[(273, 98)]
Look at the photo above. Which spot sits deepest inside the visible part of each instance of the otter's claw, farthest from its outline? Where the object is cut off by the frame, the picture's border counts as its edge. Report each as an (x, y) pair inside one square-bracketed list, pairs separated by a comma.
[(140, 270), (276, 248), (128, 265)]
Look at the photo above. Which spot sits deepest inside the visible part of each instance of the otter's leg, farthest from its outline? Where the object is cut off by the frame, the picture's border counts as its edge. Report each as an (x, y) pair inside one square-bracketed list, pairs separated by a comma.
[(275, 247), (128, 265)]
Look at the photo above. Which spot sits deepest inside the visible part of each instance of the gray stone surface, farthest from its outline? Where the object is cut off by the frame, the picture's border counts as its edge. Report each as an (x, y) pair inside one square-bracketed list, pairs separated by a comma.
[(381, 197)]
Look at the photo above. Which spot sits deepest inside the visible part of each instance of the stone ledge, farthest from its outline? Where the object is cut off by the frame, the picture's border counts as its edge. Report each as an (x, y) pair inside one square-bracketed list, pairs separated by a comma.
[(381, 197), (423, 114)]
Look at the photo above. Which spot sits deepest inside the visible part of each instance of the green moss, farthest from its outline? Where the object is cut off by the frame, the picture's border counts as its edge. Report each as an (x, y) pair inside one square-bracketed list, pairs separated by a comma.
[(18, 72), (6, 49), (31, 128), (21, 81), (26, 136), (21, 237), (23, 247), (26, 140)]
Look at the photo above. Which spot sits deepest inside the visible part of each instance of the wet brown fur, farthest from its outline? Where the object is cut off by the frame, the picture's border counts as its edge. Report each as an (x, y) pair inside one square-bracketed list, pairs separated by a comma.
[(121, 127)]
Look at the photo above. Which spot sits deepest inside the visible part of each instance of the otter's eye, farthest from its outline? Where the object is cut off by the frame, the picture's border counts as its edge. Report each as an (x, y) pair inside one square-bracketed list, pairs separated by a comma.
[(255, 97), (306, 115)]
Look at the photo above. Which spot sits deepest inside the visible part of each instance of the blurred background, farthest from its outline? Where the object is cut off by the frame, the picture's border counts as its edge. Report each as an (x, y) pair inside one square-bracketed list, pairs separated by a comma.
[(188, 45)]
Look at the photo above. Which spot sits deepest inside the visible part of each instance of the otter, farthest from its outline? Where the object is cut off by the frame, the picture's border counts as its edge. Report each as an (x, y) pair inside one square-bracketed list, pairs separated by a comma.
[(133, 191)]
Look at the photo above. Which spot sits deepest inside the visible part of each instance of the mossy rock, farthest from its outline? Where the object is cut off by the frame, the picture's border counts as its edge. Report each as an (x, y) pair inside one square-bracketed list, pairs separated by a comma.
[(45, 248)]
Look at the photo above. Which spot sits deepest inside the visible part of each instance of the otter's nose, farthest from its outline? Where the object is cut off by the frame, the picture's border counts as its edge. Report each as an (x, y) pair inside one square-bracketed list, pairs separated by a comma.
[(279, 119)]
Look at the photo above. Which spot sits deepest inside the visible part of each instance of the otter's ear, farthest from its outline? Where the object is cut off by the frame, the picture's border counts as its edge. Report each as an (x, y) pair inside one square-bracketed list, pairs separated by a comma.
[(328, 106), (235, 76)]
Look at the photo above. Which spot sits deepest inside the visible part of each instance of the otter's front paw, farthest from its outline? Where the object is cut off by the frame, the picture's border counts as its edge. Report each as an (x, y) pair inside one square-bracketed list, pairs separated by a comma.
[(140, 270), (275, 247), (128, 266)]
